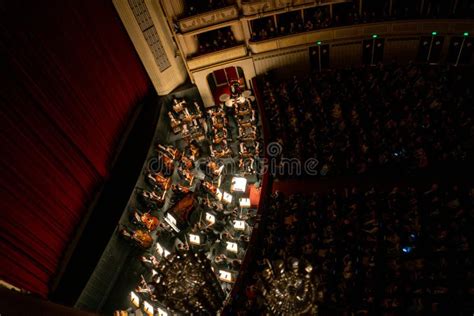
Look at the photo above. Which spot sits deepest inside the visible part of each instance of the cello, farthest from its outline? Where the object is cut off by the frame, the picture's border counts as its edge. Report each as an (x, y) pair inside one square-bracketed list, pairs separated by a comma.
[(146, 219)]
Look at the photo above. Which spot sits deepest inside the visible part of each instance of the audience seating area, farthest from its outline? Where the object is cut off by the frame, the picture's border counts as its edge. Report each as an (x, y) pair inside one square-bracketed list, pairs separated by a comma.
[(193, 7), (387, 253), (358, 120), (345, 14)]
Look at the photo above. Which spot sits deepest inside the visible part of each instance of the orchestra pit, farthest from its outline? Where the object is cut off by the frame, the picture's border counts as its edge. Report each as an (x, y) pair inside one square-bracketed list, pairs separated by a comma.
[(249, 157)]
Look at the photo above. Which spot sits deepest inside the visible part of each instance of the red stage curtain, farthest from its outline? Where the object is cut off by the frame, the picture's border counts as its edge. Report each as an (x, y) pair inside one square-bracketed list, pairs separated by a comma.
[(70, 79)]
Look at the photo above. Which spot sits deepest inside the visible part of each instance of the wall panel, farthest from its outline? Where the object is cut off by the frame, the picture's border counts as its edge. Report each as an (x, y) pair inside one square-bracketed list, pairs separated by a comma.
[(346, 55)]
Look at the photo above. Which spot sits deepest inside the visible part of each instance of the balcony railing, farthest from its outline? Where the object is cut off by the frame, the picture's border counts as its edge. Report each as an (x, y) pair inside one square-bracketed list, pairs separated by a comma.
[(264, 6), (208, 18), (409, 27), (217, 57)]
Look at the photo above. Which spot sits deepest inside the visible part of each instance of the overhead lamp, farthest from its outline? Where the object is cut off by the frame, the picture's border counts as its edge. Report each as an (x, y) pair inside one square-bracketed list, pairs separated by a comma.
[(319, 42), (434, 33), (465, 34), (375, 36)]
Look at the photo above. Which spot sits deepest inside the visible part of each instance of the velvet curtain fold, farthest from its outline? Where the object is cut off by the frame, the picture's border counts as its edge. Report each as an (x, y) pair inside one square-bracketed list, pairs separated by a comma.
[(70, 79)]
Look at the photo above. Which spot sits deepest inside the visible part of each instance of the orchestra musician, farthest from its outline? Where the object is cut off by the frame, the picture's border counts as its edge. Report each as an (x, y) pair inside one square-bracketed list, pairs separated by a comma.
[(175, 123), (160, 180), (224, 152), (247, 132), (195, 151), (219, 136), (187, 163), (186, 174), (151, 199), (173, 152), (140, 237), (214, 168), (179, 189), (145, 220), (210, 187), (178, 106)]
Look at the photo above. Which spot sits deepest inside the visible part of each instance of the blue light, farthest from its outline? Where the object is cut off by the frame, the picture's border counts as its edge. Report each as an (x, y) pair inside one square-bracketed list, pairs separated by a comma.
[(407, 249)]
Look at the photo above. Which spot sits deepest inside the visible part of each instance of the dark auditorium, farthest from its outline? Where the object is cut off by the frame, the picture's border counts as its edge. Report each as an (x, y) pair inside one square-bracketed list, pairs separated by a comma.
[(237, 157)]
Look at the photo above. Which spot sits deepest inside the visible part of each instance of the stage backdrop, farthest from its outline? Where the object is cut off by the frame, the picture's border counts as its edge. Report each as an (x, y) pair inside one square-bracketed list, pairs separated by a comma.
[(70, 79)]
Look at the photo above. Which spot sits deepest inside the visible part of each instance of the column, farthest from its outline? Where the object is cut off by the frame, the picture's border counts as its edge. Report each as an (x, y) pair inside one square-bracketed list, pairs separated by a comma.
[(238, 32), (192, 44)]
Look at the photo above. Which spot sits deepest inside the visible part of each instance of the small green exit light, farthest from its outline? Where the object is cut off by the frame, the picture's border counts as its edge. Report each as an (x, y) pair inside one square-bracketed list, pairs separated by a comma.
[(466, 34), (375, 36), (318, 42), (434, 33)]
